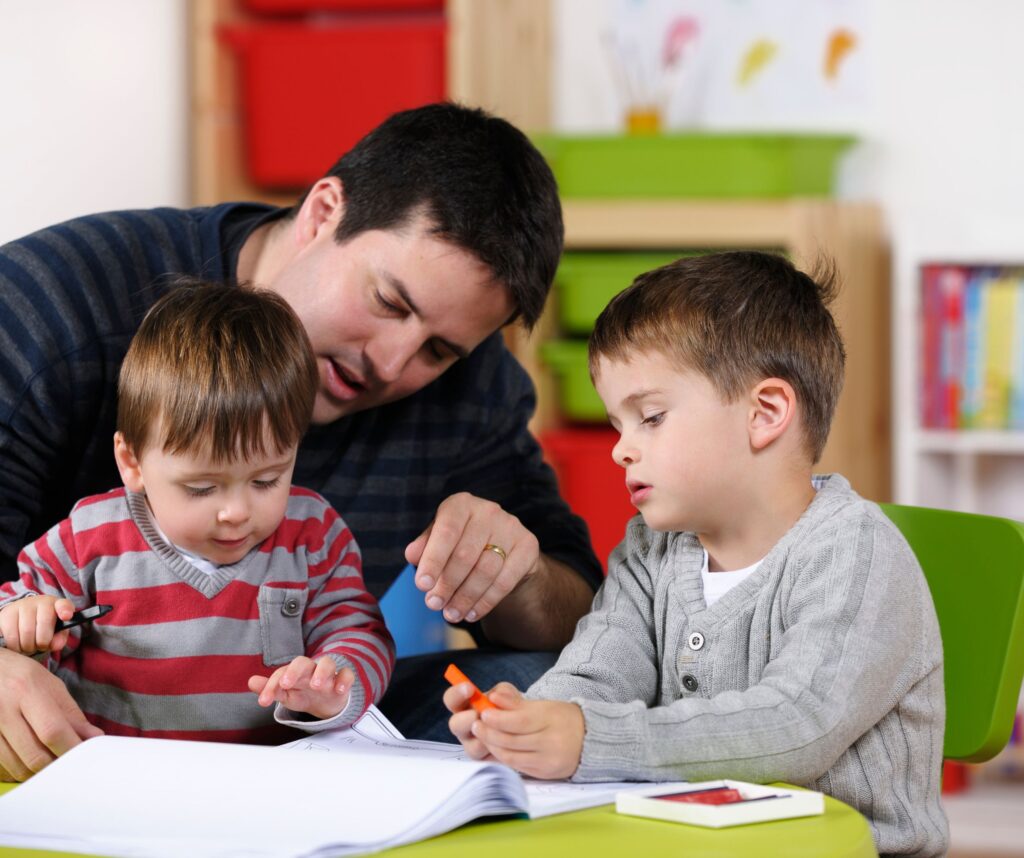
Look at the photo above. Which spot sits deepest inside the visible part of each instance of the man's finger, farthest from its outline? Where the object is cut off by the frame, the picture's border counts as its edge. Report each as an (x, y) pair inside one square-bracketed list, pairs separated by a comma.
[(515, 567), (414, 550), (12, 769), (479, 581), (82, 726), (444, 565)]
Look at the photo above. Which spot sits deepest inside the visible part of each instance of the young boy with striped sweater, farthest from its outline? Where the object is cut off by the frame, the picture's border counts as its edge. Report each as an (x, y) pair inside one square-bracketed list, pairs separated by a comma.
[(231, 589)]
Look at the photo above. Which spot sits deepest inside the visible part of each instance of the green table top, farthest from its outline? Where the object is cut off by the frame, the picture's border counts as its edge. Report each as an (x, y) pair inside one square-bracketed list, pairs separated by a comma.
[(840, 832)]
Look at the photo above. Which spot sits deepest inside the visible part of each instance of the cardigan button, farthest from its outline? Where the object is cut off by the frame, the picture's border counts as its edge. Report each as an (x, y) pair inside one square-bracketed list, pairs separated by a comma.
[(291, 607), (690, 682), (695, 641)]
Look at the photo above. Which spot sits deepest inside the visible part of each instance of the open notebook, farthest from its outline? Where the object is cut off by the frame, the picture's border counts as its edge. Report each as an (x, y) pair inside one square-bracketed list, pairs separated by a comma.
[(337, 793)]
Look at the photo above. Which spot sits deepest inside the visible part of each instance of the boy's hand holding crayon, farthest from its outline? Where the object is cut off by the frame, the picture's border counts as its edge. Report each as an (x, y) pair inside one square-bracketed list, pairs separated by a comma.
[(28, 625), (540, 738), (304, 685)]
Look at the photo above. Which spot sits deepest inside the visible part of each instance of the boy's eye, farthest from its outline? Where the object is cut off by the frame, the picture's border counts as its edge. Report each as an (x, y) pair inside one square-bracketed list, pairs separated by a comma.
[(198, 491), (654, 419), (266, 484)]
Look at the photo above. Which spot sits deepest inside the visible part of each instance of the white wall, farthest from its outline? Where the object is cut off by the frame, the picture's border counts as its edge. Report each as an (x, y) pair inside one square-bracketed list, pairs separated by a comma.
[(93, 113), (940, 114)]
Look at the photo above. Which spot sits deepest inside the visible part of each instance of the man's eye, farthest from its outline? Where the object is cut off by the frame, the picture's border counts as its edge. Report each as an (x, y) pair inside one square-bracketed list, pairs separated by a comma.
[(387, 305), (199, 491), (436, 353), (654, 419)]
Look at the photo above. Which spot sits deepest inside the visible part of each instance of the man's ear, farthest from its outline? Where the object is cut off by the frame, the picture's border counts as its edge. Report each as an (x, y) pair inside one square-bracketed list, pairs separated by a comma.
[(321, 210), (772, 409), (127, 464)]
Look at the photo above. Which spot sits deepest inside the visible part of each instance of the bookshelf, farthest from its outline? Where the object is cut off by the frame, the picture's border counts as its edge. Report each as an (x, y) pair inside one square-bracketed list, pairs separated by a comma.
[(971, 470)]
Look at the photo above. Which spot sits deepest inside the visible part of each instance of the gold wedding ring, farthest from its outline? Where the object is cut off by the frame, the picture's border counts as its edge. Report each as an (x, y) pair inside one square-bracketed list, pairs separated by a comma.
[(497, 549)]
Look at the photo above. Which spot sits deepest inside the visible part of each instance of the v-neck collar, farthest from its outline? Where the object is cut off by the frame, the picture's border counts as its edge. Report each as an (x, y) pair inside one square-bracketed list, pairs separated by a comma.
[(209, 584)]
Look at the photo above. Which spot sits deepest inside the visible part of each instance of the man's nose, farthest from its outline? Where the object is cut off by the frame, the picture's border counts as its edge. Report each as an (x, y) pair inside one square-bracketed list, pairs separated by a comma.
[(393, 355)]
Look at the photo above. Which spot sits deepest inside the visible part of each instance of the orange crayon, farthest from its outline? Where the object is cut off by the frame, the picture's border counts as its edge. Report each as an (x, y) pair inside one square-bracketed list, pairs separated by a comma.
[(479, 700)]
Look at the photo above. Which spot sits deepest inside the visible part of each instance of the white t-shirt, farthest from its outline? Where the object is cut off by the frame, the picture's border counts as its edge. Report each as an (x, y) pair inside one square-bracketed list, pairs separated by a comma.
[(201, 563), (717, 584)]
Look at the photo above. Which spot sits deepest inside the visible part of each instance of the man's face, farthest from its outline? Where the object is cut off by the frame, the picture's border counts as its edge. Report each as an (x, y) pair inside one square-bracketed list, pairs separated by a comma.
[(387, 311)]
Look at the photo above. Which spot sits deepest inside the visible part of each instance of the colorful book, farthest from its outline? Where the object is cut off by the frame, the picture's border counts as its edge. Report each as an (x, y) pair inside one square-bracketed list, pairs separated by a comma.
[(999, 322), (972, 386), (929, 394), (952, 282), (1017, 375)]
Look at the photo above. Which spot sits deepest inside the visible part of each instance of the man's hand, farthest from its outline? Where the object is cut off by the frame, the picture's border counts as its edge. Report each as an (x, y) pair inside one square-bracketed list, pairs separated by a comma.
[(540, 738), (27, 625), (459, 557), (304, 685), (39, 720)]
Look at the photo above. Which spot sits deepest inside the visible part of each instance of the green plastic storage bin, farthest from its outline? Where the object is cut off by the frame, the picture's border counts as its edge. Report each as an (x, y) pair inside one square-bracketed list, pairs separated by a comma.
[(586, 282), (694, 165), (579, 399)]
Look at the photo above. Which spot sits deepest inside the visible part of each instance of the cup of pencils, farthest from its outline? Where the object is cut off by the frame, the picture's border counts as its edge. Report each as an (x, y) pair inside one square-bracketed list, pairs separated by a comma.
[(645, 88)]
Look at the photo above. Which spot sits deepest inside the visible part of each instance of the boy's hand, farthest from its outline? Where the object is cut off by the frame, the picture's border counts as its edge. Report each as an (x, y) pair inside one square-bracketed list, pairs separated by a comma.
[(540, 738), (27, 624), (304, 685), (464, 716)]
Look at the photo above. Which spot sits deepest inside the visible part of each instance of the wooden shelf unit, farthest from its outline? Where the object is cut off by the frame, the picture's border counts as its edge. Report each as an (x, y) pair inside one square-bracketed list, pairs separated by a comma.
[(849, 233), (499, 58)]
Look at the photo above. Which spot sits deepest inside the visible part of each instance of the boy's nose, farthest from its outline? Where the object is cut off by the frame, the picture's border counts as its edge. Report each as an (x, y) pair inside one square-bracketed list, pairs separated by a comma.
[(233, 512), (624, 454)]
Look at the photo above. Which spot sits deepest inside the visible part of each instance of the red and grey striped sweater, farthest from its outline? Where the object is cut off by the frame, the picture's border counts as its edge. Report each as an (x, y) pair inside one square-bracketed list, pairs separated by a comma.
[(173, 658)]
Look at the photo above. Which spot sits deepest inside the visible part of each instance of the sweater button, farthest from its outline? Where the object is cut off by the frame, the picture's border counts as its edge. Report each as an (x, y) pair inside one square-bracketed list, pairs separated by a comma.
[(689, 682), (291, 607), (695, 641)]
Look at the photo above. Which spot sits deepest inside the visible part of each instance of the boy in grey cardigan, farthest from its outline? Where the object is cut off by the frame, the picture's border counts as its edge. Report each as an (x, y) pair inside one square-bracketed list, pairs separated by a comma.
[(755, 623)]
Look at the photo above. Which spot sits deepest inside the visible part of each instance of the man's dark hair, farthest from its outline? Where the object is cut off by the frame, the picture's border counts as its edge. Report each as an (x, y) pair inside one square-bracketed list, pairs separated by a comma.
[(478, 179)]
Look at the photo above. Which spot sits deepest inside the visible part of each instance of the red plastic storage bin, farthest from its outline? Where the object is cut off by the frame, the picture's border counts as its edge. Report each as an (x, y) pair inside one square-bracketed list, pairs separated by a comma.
[(311, 90), (592, 484), (305, 7)]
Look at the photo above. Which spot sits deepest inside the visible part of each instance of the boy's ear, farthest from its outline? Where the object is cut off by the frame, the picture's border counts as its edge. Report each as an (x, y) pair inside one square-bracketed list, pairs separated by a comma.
[(127, 464), (321, 210), (772, 409)]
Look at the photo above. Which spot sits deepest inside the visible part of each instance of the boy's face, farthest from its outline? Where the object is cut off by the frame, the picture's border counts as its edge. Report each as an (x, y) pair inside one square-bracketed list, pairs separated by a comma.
[(387, 311), (683, 448), (217, 510)]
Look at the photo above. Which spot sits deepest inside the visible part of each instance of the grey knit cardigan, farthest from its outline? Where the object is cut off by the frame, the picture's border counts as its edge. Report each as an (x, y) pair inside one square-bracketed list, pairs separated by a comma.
[(823, 669)]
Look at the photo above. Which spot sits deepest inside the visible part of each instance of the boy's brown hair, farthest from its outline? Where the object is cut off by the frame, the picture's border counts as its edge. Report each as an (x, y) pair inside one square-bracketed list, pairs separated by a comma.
[(736, 317), (217, 368)]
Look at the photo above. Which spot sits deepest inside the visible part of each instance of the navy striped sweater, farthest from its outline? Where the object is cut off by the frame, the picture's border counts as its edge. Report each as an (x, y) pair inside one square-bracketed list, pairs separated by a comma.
[(72, 296)]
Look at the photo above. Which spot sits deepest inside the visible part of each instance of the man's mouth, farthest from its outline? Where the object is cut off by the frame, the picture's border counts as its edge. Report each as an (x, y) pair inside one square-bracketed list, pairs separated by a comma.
[(342, 384)]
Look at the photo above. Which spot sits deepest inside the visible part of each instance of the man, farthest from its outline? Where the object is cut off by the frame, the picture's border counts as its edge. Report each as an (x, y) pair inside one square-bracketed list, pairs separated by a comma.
[(438, 228)]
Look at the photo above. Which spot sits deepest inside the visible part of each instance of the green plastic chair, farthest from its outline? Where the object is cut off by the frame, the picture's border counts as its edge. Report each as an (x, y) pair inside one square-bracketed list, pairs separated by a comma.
[(975, 570)]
